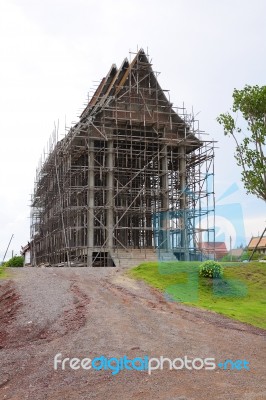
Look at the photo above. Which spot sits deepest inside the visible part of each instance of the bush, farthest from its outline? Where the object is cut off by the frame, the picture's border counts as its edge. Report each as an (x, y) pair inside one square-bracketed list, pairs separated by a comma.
[(16, 261), (247, 254), (211, 269)]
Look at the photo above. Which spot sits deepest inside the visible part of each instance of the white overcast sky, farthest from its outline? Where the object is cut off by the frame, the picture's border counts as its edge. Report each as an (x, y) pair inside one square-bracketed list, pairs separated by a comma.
[(52, 51)]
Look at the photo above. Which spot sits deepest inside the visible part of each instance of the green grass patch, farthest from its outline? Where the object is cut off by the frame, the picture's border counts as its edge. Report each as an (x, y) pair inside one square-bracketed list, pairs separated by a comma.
[(240, 294), (3, 273)]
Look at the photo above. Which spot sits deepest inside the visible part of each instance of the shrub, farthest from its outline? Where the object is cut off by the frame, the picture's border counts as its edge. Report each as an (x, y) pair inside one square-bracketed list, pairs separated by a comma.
[(247, 254), (211, 269), (16, 261)]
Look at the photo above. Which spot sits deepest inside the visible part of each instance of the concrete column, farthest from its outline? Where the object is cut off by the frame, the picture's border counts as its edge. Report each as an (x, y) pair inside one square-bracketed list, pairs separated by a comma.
[(164, 218), (110, 195), (183, 202), (78, 228), (90, 201)]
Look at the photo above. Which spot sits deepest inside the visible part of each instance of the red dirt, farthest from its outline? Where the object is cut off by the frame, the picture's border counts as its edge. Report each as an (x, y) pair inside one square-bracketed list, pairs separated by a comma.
[(91, 312)]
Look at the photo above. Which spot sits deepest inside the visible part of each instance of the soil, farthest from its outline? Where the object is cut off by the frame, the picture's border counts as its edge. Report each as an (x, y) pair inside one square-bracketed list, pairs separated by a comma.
[(89, 312)]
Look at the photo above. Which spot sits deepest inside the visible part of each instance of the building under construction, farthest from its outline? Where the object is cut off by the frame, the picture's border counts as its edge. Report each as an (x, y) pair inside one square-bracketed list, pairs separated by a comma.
[(132, 180)]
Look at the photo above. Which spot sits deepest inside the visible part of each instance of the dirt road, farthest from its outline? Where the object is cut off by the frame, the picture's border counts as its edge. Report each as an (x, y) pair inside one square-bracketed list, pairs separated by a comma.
[(89, 312)]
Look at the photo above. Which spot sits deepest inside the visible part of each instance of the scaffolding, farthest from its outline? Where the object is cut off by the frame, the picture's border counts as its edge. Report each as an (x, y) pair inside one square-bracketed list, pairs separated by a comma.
[(131, 177)]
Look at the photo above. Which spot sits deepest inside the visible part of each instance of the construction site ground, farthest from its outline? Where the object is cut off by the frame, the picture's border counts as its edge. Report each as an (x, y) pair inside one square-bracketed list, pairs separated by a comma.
[(89, 312)]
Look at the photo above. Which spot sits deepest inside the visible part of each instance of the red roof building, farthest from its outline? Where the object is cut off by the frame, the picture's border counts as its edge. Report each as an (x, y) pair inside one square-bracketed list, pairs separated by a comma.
[(214, 250)]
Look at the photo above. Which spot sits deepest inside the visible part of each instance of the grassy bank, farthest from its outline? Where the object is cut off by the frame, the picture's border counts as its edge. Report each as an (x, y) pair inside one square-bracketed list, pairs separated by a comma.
[(240, 295), (3, 273)]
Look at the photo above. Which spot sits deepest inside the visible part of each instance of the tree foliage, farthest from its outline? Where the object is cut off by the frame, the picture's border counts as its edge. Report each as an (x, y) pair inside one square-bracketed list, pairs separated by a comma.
[(16, 261), (250, 141)]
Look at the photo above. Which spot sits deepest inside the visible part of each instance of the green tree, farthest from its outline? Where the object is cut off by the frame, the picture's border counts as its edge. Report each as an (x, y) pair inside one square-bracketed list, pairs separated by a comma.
[(16, 261), (246, 255), (250, 146)]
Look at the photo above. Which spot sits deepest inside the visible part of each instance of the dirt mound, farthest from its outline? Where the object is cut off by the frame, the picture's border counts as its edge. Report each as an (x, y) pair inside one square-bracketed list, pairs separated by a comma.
[(9, 304)]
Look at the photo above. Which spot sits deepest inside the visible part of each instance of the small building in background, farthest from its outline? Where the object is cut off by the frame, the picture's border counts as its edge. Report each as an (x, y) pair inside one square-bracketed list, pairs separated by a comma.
[(236, 254), (213, 250), (258, 241), (25, 252)]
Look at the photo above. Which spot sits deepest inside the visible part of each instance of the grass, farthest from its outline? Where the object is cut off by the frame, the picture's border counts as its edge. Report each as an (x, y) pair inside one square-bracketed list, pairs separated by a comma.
[(240, 295), (3, 273)]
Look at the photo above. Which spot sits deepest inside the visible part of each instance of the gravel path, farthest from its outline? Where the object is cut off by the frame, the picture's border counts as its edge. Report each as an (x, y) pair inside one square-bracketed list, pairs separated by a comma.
[(89, 312)]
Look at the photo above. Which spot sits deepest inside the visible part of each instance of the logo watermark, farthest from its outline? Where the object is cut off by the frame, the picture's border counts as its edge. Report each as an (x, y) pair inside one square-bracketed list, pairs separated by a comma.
[(175, 240), (146, 364)]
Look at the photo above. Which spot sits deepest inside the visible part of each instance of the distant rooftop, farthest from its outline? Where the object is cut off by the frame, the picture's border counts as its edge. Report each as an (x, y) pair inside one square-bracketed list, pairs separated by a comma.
[(254, 241)]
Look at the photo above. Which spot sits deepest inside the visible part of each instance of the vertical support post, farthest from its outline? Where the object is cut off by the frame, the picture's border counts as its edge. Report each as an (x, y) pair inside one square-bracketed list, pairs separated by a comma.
[(90, 201), (78, 227), (183, 203), (165, 223), (110, 194)]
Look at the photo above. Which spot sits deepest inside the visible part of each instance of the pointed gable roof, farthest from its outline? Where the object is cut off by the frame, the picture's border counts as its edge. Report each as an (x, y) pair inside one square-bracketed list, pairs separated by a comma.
[(114, 81), (136, 77), (254, 242)]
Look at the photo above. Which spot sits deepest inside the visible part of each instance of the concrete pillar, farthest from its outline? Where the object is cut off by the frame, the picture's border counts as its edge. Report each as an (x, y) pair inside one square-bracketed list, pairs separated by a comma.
[(164, 218), (110, 195), (90, 201), (183, 203)]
